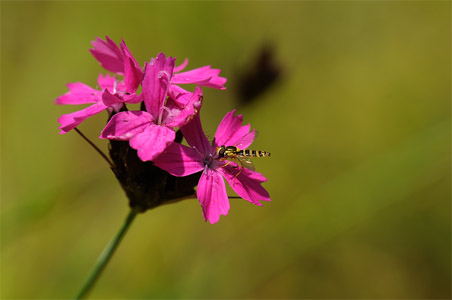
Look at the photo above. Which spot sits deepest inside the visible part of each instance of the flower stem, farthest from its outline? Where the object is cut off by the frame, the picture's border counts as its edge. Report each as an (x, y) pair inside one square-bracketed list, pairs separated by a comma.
[(95, 148), (106, 255)]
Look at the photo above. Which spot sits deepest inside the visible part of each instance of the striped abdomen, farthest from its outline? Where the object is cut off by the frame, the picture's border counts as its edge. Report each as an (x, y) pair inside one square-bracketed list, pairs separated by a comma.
[(252, 153)]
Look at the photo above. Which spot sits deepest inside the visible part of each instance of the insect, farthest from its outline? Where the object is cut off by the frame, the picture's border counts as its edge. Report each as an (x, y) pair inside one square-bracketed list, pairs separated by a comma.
[(242, 157)]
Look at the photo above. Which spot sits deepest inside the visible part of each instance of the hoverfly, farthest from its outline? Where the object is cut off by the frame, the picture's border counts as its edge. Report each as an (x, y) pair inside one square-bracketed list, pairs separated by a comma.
[(240, 156)]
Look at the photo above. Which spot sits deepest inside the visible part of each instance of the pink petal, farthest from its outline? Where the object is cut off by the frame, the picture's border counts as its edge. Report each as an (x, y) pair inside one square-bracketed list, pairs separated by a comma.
[(181, 66), (79, 93), (247, 184), (125, 125), (110, 83), (186, 114), (132, 98), (156, 83), (179, 95), (116, 100), (195, 137), (108, 55), (230, 132), (110, 99), (133, 75), (152, 141), (204, 76), (217, 82), (179, 160), (72, 120), (107, 82), (212, 195)]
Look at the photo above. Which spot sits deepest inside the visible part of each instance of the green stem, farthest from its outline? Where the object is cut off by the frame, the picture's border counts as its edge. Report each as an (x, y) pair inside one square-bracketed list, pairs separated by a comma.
[(106, 255)]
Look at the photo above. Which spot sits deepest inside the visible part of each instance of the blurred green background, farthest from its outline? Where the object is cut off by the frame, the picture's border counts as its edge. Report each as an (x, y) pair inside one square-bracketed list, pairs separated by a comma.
[(358, 126)]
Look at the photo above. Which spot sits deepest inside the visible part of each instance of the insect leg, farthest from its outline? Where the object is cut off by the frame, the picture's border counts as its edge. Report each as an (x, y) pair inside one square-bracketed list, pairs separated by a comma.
[(236, 175)]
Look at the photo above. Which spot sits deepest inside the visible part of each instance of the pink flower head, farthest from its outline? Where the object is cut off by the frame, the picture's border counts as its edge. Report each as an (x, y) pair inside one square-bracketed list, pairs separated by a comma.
[(180, 160), (113, 92), (80, 93), (151, 131)]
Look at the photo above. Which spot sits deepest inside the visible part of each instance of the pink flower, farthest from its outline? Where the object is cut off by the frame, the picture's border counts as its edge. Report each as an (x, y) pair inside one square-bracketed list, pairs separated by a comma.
[(113, 93), (80, 93), (151, 131), (180, 160)]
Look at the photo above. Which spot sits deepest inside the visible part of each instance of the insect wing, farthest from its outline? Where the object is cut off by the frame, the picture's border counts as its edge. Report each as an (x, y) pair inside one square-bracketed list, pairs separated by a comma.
[(246, 162)]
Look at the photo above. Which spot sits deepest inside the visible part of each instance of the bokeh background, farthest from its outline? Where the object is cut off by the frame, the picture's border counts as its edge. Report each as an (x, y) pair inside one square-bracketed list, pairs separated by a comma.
[(356, 113)]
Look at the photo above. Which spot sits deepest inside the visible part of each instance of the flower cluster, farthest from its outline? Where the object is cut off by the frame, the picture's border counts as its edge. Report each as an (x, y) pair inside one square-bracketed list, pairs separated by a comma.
[(166, 169)]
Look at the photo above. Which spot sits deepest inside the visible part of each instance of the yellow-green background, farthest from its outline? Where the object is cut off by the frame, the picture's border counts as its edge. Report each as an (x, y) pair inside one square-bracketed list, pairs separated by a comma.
[(358, 127)]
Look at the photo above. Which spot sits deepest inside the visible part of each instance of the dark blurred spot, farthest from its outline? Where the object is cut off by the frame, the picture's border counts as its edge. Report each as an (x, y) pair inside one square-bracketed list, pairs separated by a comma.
[(261, 73)]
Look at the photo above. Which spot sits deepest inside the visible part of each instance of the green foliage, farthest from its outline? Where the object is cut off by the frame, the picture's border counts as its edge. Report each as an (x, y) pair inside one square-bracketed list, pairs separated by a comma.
[(358, 127)]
